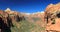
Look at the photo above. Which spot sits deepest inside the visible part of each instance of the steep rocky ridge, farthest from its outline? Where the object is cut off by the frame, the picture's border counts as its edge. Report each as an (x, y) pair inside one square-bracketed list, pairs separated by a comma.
[(52, 17)]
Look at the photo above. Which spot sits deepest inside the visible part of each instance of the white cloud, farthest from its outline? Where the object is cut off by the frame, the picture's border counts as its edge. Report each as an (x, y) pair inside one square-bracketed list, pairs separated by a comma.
[(42, 12), (34, 13), (27, 13)]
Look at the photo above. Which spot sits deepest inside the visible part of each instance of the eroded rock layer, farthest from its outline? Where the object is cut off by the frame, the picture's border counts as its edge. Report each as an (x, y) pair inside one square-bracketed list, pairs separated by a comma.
[(52, 17)]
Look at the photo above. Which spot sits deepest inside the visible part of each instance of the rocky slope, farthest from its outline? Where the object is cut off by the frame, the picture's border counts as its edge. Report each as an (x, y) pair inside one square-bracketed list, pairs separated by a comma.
[(12, 21), (52, 17)]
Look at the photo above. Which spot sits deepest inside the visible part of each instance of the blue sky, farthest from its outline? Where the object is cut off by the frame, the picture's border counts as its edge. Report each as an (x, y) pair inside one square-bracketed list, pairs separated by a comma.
[(27, 6)]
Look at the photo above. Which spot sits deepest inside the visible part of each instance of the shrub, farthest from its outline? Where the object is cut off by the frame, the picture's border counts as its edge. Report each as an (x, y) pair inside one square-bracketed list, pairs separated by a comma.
[(36, 18), (26, 26)]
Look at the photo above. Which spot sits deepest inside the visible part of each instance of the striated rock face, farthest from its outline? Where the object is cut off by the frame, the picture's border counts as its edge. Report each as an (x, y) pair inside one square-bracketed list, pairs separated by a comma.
[(7, 18), (9, 14), (15, 16), (5, 22), (52, 17)]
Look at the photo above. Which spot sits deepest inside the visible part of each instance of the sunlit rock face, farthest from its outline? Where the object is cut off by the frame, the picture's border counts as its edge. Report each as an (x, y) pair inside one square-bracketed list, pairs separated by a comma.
[(52, 10), (4, 16), (13, 14), (52, 17), (8, 16)]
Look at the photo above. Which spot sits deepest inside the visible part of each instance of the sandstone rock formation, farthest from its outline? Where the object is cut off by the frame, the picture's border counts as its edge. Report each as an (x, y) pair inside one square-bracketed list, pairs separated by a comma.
[(52, 17), (7, 19)]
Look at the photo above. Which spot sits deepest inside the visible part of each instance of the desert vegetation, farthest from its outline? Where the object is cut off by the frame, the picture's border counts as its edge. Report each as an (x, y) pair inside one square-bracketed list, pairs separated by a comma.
[(26, 26)]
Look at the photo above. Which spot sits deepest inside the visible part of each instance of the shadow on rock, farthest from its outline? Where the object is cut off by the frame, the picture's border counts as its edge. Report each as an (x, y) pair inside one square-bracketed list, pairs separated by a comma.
[(5, 27)]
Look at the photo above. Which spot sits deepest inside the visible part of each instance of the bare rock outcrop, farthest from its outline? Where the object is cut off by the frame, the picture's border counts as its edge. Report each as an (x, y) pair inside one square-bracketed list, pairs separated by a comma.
[(7, 19), (52, 17), (5, 22)]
